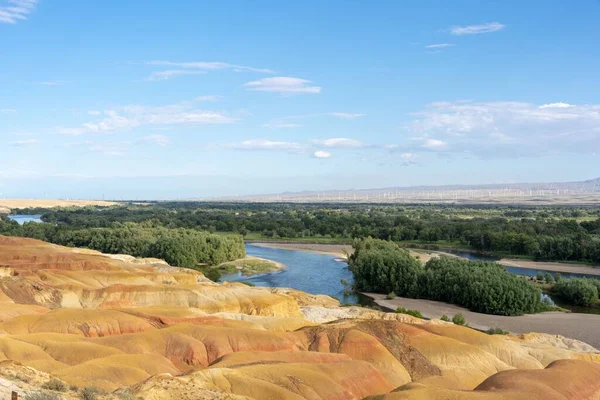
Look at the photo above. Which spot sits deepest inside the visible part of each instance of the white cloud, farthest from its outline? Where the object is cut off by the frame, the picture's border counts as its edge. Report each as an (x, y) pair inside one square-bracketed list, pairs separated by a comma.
[(25, 142), (435, 144), (52, 83), (159, 140), (284, 85), (321, 154), (107, 149), (507, 129), (557, 105), (263, 144), (12, 11), (196, 68), (284, 122), (94, 112), (439, 46), (340, 143), (280, 125), (7, 110), (168, 74), (344, 115), (208, 98), (135, 116), (477, 29)]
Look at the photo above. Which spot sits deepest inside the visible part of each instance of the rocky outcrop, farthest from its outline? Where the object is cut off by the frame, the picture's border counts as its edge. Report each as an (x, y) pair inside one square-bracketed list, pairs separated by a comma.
[(147, 330)]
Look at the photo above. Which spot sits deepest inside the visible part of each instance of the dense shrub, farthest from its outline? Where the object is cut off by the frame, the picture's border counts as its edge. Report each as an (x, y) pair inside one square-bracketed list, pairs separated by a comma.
[(444, 317), (459, 319), (382, 267), (414, 313), (180, 247), (479, 286), (578, 291), (496, 331)]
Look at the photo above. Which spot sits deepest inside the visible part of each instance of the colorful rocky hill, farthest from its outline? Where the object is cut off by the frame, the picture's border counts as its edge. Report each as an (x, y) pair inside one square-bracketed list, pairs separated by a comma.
[(82, 322)]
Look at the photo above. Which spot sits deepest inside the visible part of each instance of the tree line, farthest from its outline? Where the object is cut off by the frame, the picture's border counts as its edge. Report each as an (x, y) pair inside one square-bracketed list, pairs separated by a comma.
[(541, 233), (385, 267), (177, 246)]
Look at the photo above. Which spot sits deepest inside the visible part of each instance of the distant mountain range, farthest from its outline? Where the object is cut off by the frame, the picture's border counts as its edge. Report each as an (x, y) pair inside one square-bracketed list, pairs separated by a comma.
[(541, 192)]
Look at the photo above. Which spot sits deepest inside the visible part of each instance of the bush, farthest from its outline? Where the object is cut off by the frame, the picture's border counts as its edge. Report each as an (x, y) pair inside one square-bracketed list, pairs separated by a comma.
[(56, 385), (496, 331), (90, 393), (42, 396), (549, 278), (211, 273), (383, 267), (459, 319), (577, 291), (557, 276), (390, 296), (445, 318), (540, 276), (414, 313)]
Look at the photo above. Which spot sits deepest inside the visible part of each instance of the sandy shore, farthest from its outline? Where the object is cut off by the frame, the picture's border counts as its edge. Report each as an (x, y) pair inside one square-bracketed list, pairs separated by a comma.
[(337, 250), (8, 204), (584, 327), (551, 266)]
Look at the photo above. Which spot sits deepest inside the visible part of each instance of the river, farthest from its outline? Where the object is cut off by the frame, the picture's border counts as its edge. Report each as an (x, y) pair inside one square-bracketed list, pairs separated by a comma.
[(310, 272), (21, 219)]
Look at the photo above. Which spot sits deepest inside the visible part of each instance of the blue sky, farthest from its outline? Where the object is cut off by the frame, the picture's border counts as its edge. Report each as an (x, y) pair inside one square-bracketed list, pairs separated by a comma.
[(139, 99)]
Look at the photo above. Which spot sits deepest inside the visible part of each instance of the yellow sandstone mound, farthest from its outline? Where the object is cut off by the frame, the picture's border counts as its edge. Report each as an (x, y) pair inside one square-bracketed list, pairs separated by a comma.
[(144, 329)]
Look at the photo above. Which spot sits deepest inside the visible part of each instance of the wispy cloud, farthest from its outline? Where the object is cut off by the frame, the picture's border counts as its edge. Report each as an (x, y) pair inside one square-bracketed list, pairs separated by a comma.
[(284, 85), (434, 144), (280, 125), (13, 11), (107, 149), (263, 144), (344, 143), (7, 110), (439, 46), (171, 73), (508, 129), (52, 83), (208, 98), (286, 122), (556, 105), (321, 154), (196, 68), (159, 140), (25, 142), (135, 116), (344, 115), (476, 29)]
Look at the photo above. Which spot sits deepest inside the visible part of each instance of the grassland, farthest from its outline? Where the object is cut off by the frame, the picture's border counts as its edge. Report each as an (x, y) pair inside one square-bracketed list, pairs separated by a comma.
[(249, 266)]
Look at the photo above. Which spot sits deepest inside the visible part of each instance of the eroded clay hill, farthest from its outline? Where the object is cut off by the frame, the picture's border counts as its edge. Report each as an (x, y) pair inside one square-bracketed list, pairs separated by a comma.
[(143, 329)]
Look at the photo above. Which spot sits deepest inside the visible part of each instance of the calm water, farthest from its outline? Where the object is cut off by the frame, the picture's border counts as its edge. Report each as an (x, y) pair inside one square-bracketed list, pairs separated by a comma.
[(321, 274), (520, 271), (21, 219), (310, 272)]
